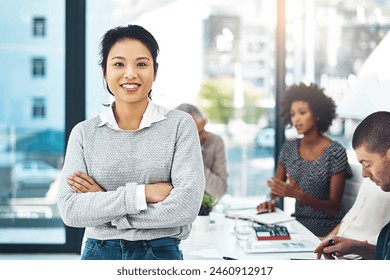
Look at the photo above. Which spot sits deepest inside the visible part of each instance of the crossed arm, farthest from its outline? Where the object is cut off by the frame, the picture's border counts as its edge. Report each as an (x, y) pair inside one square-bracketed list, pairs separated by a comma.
[(82, 183), (83, 202)]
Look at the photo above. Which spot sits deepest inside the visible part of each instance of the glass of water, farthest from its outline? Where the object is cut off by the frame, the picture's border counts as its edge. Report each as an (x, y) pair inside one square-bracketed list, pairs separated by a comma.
[(243, 229)]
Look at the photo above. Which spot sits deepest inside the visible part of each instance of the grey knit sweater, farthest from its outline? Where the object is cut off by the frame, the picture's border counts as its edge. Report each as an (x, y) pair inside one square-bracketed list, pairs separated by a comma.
[(167, 151)]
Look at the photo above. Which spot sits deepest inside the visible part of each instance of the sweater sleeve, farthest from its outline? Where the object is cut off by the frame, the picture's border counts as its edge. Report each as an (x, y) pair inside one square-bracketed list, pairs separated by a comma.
[(92, 208), (181, 207)]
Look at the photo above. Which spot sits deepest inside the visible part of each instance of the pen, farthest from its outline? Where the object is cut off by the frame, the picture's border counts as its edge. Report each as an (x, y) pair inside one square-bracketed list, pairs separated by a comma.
[(228, 258), (331, 243)]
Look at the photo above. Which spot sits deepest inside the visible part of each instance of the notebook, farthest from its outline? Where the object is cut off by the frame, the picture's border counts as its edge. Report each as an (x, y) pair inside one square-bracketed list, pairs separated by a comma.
[(261, 218)]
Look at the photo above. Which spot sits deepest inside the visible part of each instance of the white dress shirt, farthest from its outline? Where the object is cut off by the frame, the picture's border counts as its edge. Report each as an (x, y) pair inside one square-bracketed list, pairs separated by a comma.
[(368, 215)]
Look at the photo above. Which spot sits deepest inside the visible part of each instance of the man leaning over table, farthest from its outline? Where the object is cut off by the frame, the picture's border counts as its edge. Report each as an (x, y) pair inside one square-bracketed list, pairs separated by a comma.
[(358, 223), (371, 142)]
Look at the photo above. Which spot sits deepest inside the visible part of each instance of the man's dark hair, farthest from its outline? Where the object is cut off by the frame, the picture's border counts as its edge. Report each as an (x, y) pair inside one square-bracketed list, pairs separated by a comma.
[(373, 133)]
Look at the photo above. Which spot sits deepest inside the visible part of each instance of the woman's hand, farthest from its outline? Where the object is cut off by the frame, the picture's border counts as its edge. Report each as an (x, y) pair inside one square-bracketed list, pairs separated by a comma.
[(82, 183), (284, 189), (157, 192), (267, 206)]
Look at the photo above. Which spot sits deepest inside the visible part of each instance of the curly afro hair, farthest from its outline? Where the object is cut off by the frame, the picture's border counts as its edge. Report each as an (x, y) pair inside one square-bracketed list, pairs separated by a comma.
[(323, 107)]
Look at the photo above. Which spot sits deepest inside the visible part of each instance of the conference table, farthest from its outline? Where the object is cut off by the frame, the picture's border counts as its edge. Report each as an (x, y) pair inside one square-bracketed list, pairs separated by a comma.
[(216, 239)]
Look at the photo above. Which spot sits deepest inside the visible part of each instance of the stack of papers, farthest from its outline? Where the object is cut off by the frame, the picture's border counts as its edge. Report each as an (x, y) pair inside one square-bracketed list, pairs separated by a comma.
[(263, 218)]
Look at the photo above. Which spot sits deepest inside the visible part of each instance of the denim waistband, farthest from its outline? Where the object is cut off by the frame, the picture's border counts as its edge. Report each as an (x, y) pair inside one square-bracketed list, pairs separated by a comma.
[(164, 241)]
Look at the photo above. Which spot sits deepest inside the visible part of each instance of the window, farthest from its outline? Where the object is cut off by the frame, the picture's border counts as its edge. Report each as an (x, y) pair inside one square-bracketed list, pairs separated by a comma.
[(259, 81), (38, 67), (233, 96), (39, 107), (39, 27), (343, 48), (32, 138), (336, 45)]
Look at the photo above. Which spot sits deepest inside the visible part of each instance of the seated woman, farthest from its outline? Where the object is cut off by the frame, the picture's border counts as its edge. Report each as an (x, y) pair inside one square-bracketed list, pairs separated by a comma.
[(311, 169)]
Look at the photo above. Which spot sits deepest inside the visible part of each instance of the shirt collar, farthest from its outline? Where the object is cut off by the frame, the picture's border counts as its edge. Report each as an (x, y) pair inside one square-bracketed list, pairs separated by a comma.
[(152, 114)]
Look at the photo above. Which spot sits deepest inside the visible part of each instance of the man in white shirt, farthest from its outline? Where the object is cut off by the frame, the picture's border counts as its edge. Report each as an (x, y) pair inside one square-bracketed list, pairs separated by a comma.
[(371, 143), (358, 223)]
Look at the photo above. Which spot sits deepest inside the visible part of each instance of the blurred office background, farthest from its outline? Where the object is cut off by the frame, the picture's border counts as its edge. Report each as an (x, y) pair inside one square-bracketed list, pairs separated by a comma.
[(231, 58)]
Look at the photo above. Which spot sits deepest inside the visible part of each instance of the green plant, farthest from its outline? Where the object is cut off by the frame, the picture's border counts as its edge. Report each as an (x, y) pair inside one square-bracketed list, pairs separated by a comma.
[(216, 98), (207, 205)]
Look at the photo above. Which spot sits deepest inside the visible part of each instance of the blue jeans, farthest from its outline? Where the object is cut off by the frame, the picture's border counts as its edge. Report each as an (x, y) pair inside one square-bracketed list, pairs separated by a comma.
[(165, 248)]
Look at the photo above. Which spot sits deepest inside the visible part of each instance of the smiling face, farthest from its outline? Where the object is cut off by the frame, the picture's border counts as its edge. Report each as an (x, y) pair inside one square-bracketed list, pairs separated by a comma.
[(375, 166), (130, 72), (302, 118)]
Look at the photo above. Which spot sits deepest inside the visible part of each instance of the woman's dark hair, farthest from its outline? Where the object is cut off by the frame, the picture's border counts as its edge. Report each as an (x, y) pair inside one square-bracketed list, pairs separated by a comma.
[(322, 107), (127, 32)]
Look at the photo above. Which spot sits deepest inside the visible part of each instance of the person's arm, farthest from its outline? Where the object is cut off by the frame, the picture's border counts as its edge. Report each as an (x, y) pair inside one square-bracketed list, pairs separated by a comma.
[(216, 176), (153, 193), (182, 205), (338, 167), (330, 206), (117, 207), (344, 246), (270, 204), (92, 208)]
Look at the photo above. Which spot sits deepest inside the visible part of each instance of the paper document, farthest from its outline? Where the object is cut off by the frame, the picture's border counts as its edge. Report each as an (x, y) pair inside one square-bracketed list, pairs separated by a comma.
[(265, 218), (279, 246)]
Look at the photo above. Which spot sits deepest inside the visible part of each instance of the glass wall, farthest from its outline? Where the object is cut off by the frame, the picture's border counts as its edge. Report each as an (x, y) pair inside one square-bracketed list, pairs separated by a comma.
[(32, 86), (342, 46), (218, 55), (227, 63)]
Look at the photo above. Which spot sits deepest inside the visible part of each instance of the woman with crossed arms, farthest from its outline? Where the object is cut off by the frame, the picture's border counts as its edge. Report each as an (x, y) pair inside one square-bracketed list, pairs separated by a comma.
[(133, 176)]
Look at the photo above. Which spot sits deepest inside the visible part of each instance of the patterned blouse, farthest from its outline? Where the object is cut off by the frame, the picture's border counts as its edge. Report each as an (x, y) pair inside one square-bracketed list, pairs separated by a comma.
[(314, 178)]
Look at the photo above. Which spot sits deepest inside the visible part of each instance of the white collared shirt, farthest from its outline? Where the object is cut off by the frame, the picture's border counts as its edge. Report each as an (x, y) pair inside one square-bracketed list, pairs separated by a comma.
[(368, 215), (152, 114)]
